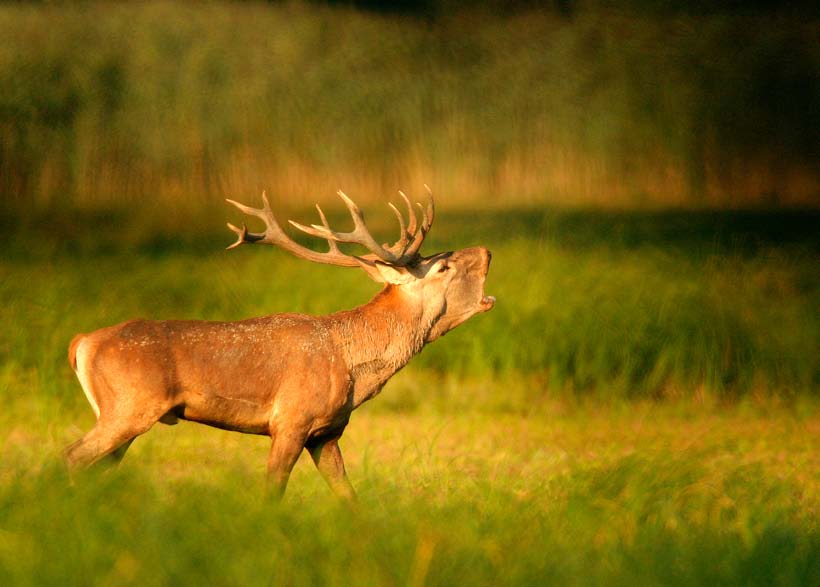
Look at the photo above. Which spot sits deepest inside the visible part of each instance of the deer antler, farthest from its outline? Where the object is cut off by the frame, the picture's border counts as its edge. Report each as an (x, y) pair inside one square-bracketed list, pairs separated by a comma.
[(403, 252)]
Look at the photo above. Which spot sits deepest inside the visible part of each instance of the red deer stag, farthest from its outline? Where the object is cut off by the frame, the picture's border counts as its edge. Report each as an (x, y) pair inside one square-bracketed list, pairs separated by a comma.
[(293, 377)]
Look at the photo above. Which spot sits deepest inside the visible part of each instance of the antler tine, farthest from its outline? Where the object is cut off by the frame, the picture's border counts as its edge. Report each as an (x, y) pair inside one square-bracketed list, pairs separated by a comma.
[(334, 248), (411, 229), (263, 213), (242, 234), (431, 207), (426, 223), (401, 244), (361, 235)]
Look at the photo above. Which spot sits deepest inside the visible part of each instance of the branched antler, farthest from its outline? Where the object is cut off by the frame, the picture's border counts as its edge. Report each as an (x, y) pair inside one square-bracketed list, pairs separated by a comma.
[(404, 252)]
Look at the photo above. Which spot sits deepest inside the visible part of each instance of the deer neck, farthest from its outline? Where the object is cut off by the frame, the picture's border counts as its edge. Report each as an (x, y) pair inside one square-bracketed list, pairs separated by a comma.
[(380, 337)]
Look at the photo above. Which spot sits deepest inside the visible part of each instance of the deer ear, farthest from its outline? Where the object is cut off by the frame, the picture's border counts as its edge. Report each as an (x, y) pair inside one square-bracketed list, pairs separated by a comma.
[(383, 273)]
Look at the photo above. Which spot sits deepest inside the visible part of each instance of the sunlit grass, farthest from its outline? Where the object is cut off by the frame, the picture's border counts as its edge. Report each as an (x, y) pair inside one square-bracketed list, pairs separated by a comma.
[(650, 495)]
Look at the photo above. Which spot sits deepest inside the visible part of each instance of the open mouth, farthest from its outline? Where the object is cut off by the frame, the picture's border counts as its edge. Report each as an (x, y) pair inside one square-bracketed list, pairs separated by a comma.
[(487, 302)]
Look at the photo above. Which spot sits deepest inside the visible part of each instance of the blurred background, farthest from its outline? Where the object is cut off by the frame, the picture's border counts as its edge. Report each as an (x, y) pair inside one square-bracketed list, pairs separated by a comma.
[(636, 104), (639, 408)]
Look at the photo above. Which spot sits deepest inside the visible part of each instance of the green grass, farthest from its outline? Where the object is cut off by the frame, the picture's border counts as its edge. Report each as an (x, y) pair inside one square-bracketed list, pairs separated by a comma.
[(646, 495), (639, 408), (184, 102)]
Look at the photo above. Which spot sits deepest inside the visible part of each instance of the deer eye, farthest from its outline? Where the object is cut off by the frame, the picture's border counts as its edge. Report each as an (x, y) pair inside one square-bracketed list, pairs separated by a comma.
[(444, 267)]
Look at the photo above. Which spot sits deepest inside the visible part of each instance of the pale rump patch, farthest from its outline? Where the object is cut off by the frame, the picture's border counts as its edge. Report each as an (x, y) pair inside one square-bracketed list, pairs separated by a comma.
[(82, 375)]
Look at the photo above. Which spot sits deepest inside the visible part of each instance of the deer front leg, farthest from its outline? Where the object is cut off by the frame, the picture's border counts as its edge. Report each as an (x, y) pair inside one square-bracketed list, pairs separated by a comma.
[(284, 452), (328, 459)]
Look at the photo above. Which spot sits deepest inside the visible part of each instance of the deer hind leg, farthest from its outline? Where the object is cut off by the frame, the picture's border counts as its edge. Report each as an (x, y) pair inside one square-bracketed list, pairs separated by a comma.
[(328, 459), (111, 436), (105, 439), (128, 412), (108, 441)]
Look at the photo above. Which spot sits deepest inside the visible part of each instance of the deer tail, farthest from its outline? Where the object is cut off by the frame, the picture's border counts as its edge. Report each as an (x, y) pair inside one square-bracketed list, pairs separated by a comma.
[(72, 350)]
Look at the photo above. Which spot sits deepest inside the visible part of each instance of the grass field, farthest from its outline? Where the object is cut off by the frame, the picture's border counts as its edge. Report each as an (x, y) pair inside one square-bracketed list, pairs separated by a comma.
[(644, 494), (642, 405), (639, 408)]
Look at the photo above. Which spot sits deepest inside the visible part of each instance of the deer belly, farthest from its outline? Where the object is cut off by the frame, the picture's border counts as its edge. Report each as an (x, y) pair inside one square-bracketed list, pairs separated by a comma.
[(228, 413)]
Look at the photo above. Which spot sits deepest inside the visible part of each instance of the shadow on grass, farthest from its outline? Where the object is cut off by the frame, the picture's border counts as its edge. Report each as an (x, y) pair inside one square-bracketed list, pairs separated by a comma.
[(693, 233), (743, 232)]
